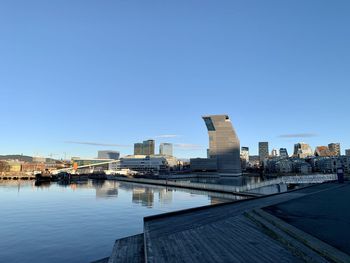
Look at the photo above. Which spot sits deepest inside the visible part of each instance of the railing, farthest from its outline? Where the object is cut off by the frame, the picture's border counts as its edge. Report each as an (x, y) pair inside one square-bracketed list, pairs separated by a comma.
[(299, 179)]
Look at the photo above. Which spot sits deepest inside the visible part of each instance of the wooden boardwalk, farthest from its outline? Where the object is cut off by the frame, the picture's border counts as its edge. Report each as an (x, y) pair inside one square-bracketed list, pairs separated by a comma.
[(230, 232)]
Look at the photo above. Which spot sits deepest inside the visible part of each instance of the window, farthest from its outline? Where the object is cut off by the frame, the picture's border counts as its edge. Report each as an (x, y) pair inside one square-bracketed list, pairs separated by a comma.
[(209, 123)]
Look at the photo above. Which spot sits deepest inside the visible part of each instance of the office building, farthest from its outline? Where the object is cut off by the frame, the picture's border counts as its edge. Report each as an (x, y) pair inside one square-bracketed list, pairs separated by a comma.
[(302, 150), (148, 147), (347, 152), (138, 148), (263, 151), (144, 163), (283, 152), (224, 145), (334, 148), (274, 153), (114, 155), (166, 149), (245, 154)]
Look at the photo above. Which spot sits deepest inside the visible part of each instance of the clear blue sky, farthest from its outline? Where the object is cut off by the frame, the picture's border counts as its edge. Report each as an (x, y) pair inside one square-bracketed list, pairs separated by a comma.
[(118, 72)]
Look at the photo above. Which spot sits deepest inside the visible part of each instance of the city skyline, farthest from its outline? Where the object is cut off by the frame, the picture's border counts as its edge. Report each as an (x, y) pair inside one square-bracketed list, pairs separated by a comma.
[(77, 76)]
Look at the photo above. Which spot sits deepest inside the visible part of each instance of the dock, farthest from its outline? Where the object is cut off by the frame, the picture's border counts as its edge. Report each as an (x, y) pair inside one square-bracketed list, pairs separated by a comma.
[(305, 225)]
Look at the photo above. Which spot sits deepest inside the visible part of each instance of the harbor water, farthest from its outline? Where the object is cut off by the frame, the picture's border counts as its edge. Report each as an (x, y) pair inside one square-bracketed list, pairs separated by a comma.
[(80, 222)]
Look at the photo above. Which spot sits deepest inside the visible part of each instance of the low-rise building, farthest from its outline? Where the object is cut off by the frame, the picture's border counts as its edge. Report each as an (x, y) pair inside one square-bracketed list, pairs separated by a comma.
[(284, 166), (144, 163)]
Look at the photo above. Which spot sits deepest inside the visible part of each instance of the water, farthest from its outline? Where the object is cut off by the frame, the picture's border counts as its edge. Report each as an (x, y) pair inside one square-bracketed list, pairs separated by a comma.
[(80, 222)]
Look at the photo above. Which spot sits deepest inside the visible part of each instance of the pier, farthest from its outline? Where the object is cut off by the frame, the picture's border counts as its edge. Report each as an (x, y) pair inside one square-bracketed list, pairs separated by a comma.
[(17, 176), (278, 228), (243, 190)]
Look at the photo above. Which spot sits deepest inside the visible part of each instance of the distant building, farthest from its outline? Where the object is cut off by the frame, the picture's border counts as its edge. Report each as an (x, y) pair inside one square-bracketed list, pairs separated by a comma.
[(323, 151), (326, 164), (347, 152), (245, 154), (14, 166), (274, 153), (108, 155), (284, 166), (138, 148), (334, 148), (166, 149), (263, 150), (302, 150), (148, 147), (254, 161), (283, 152), (224, 145), (203, 164), (39, 159), (144, 163)]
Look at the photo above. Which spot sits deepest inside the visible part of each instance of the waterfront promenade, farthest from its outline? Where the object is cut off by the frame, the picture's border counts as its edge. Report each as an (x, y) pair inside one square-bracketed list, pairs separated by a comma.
[(243, 190), (306, 225)]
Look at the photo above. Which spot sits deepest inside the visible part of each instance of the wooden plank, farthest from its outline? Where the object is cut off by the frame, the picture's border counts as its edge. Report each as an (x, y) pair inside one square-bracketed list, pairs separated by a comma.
[(128, 250)]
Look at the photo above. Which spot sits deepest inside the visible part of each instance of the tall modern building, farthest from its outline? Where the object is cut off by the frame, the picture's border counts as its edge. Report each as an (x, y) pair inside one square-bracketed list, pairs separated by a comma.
[(347, 152), (166, 149), (138, 148), (263, 150), (108, 155), (302, 150), (148, 147), (224, 145), (334, 148), (283, 152)]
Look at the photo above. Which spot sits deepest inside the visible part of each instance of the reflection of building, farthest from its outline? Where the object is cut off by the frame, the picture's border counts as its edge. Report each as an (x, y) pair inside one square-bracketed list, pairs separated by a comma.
[(108, 155), (302, 150), (165, 196), (215, 200), (224, 145), (166, 149), (334, 148), (263, 150), (143, 196)]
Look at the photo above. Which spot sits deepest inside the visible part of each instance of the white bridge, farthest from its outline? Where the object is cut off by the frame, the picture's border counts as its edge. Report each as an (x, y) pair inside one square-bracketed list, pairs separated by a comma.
[(83, 166)]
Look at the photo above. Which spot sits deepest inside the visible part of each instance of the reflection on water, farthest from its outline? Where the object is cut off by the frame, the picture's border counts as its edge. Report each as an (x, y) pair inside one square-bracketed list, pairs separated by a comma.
[(80, 222), (234, 181)]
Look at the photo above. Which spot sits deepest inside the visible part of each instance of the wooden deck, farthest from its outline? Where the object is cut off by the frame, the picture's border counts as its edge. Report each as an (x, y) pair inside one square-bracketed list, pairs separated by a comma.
[(128, 250), (231, 232)]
